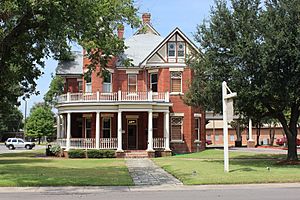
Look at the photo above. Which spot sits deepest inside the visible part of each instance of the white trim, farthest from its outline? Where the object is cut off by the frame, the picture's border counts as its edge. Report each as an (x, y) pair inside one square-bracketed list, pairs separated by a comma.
[(198, 129), (132, 71), (197, 115), (136, 82), (167, 65), (79, 79), (155, 115), (176, 93), (151, 83), (136, 132), (176, 69), (147, 24), (110, 70), (150, 71), (132, 116), (181, 134), (176, 114)]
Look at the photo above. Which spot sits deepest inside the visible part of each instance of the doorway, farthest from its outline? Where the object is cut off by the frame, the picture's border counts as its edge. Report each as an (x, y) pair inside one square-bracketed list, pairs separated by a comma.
[(132, 133)]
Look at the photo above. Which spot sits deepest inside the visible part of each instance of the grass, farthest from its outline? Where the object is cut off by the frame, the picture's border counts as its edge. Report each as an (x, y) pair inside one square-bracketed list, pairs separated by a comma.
[(25, 169), (207, 168)]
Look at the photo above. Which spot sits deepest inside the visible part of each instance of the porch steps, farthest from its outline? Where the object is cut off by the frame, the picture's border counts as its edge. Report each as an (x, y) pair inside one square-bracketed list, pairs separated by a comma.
[(136, 154)]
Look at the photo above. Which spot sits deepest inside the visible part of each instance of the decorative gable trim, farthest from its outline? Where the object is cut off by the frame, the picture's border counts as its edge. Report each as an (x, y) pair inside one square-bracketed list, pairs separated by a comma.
[(178, 31), (148, 26)]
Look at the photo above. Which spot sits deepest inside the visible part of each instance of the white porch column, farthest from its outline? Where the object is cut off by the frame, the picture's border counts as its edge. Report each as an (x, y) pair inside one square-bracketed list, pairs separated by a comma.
[(97, 130), (166, 131), (150, 131), (250, 130), (68, 131), (119, 149), (58, 135), (63, 127)]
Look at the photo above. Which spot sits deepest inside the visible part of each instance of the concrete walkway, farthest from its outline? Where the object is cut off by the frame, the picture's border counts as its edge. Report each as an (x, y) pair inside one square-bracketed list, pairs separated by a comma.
[(144, 172)]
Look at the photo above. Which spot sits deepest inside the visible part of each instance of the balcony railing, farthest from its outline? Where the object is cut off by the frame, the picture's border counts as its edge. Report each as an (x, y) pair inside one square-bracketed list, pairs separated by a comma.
[(158, 143), (89, 143), (114, 97)]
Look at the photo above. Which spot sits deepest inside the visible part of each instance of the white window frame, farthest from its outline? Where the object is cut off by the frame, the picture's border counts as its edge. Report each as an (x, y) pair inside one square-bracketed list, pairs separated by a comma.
[(80, 85), (85, 128), (151, 83), (104, 118), (175, 49), (175, 77), (88, 85), (105, 84), (128, 84), (181, 135), (198, 129)]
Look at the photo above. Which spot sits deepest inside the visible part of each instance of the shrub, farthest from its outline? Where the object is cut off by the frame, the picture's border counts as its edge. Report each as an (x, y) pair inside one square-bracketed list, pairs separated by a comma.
[(92, 153), (109, 154), (77, 153), (55, 150)]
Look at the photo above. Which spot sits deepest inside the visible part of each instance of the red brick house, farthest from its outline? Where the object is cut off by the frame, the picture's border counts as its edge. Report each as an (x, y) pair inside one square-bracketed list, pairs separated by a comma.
[(133, 108)]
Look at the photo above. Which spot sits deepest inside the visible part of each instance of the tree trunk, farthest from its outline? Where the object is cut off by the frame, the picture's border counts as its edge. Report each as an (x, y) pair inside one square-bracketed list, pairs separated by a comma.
[(272, 135), (292, 145), (39, 140)]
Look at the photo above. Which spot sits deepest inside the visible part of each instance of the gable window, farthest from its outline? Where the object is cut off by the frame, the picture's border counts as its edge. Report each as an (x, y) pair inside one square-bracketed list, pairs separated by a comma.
[(88, 127), (176, 80), (107, 86), (180, 49), (153, 82), (88, 83), (176, 128), (197, 128), (171, 49), (106, 124), (132, 83)]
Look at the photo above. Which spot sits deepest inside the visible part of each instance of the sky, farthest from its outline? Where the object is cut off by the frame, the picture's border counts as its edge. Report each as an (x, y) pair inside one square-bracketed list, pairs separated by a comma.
[(166, 15)]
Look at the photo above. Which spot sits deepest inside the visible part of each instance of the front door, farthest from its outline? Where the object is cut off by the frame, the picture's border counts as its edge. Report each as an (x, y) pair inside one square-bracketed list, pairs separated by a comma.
[(132, 133)]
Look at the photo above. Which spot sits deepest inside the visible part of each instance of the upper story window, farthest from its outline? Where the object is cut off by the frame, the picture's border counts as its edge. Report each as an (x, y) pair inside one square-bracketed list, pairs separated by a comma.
[(132, 83), (107, 83), (171, 49), (176, 82), (88, 83), (180, 49), (80, 88), (153, 82)]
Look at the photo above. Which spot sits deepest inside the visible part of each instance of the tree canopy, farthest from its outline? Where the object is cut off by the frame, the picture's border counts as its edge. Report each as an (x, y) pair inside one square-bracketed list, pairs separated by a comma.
[(40, 122), (56, 88), (11, 121), (31, 31), (255, 47)]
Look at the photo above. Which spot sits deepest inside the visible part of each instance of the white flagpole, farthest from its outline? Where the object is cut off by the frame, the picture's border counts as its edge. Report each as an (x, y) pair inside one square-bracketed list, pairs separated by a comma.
[(225, 127)]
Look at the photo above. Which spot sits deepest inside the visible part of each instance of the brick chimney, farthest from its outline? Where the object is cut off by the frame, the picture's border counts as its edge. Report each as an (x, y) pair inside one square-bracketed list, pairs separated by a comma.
[(120, 31), (146, 18)]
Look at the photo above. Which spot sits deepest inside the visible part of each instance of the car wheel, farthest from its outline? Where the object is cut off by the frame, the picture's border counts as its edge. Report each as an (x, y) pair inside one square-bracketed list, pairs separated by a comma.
[(11, 147), (28, 147)]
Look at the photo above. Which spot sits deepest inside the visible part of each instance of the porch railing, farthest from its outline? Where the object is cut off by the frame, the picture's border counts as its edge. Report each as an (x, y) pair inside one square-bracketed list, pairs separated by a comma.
[(114, 97), (158, 143), (89, 143)]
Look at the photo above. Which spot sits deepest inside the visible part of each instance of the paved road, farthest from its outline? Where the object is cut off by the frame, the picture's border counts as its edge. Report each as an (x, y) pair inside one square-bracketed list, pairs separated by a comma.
[(4, 149), (224, 192)]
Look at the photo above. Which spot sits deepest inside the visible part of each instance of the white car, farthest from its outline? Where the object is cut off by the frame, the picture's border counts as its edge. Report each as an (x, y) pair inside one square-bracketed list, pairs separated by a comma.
[(12, 143)]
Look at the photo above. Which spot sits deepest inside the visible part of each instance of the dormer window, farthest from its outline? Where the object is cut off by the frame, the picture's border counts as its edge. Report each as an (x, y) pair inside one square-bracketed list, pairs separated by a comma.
[(180, 49), (171, 49)]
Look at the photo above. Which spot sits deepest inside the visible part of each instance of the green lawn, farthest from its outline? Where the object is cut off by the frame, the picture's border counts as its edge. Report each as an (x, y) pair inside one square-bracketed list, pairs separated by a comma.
[(25, 169), (207, 168)]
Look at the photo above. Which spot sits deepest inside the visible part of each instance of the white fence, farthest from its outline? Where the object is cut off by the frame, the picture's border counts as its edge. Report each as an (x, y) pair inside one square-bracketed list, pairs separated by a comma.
[(158, 143), (114, 97)]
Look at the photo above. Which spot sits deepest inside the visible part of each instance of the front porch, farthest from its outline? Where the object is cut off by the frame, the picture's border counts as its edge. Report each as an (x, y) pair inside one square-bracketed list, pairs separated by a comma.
[(121, 131)]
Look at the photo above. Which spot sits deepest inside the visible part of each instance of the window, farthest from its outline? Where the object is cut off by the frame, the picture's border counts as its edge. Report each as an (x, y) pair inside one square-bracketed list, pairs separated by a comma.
[(171, 49), (20, 141), (153, 82), (106, 127), (88, 83), (208, 137), (107, 86), (216, 137), (176, 78), (231, 138), (176, 128), (14, 140), (180, 49), (197, 128), (88, 128), (154, 127), (132, 81), (80, 88)]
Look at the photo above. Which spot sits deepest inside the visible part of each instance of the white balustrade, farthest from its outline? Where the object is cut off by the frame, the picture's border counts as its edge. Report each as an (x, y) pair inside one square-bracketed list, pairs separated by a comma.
[(108, 143), (89, 143), (158, 143), (114, 97)]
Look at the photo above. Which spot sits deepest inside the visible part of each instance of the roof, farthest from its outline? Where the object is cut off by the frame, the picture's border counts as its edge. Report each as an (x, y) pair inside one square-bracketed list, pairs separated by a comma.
[(140, 46), (73, 67)]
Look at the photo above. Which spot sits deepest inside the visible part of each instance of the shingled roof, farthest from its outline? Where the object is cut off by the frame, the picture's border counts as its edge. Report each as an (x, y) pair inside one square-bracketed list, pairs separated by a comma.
[(73, 67)]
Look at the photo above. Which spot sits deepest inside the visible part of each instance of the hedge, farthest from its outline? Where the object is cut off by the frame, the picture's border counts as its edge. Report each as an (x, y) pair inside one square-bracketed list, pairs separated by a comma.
[(76, 153), (91, 153)]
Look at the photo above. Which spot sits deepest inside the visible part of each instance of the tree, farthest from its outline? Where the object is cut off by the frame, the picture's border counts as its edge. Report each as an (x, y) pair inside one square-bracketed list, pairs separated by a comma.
[(40, 122), (31, 31), (56, 88), (255, 48), (11, 121)]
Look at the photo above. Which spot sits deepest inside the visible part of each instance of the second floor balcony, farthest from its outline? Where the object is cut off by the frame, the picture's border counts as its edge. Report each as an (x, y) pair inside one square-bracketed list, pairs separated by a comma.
[(115, 97)]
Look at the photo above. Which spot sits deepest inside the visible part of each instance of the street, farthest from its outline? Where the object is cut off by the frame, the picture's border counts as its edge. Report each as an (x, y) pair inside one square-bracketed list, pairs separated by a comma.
[(4, 149), (224, 192)]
